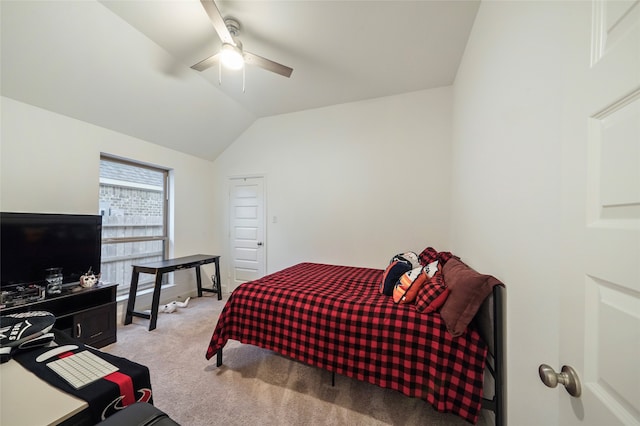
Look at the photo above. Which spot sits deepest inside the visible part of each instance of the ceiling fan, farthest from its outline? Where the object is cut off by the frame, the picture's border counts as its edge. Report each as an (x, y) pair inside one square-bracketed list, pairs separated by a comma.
[(231, 54)]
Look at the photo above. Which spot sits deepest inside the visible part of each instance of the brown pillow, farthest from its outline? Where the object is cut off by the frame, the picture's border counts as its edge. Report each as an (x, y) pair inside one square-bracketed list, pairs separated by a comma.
[(468, 289)]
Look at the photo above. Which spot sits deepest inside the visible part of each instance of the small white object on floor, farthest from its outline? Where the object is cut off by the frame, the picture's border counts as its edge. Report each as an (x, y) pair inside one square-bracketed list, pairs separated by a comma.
[(173, 306)]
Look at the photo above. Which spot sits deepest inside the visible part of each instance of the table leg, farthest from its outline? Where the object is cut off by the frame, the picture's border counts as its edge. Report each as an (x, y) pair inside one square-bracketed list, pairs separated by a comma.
[(199, 281), (133, 290), (156, 301), (218, 283)]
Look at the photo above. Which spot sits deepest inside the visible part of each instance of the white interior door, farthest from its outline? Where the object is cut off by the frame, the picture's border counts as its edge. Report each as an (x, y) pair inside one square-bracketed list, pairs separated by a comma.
[(246, 229), (603, 341)]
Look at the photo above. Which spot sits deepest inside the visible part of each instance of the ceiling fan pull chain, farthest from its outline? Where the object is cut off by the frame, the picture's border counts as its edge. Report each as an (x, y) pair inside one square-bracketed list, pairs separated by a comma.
[(219, 73), (243, 74)]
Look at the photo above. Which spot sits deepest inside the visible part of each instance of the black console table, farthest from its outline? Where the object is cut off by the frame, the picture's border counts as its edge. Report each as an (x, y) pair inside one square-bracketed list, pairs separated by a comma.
[(163, 267)]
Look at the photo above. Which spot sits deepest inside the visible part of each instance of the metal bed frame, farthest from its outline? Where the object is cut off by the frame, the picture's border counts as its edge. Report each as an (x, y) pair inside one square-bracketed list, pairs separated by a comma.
[(490, 321)]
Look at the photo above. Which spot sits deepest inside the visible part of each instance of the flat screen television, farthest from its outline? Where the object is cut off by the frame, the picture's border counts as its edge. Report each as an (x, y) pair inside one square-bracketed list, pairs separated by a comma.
[(31, 243)]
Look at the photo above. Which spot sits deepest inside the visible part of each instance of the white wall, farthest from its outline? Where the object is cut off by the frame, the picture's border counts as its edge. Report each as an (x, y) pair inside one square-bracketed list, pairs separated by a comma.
[(50, 163), (355, 183), (350, 184), (509, 204)]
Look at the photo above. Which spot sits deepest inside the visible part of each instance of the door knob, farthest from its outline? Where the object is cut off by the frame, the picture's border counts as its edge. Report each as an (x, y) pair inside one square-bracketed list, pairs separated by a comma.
[(567, 377), (259, 243)]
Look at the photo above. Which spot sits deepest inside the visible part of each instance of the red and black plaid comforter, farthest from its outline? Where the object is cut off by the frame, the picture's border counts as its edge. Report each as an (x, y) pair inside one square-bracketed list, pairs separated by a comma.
[(334, 317)]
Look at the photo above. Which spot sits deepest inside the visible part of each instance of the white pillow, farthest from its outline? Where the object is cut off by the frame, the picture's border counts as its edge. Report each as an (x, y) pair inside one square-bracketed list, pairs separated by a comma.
[(431, 269)]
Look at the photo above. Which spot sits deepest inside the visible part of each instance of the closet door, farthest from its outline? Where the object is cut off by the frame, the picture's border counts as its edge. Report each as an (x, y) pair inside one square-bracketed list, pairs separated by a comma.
[(246, 229)]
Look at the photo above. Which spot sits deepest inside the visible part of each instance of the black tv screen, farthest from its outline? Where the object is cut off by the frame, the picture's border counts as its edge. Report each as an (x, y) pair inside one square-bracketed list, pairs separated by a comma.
[(34, 242)]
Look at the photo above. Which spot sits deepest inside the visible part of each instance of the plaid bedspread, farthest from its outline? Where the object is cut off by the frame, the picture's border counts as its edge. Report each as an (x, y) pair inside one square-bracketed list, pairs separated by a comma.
[(334, 317)]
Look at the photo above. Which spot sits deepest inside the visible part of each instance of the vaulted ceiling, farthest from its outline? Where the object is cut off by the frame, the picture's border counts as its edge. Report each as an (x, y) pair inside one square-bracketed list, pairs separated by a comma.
[(125, 65)]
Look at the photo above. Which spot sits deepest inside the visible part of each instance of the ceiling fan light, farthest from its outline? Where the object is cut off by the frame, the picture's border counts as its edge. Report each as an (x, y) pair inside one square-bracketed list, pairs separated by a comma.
[(231, 57)]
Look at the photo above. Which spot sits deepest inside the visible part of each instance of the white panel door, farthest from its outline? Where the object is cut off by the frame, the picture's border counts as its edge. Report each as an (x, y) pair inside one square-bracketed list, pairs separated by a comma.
[(604, 341), (246, 229)]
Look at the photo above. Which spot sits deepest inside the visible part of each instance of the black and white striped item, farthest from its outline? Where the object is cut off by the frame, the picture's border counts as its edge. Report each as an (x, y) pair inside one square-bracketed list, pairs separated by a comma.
[(24, 330)]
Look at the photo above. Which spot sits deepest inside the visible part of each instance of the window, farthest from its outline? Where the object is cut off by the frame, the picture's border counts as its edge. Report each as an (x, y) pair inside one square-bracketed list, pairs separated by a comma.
[(133, 205)]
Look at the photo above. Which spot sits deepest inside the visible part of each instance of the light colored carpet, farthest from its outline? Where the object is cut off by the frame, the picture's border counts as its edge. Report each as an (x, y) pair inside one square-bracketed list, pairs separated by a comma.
[(254, 386)]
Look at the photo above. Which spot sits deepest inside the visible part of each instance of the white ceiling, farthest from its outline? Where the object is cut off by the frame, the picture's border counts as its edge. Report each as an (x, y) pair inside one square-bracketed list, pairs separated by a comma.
[(124, 65)]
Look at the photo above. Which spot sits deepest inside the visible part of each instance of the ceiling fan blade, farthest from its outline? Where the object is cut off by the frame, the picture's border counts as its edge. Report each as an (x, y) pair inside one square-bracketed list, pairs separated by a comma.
[(207, 63), (253, 59), (218, 21)]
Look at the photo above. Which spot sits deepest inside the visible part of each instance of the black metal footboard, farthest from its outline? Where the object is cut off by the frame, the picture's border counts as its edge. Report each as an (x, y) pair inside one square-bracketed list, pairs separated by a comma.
[(490, 321)]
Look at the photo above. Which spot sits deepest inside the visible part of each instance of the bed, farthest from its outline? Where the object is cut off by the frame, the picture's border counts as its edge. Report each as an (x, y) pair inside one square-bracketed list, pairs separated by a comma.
[(336, 318)]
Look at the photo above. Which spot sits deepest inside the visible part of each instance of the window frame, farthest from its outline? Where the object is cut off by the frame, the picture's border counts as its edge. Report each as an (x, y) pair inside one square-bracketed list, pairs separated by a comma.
[(164, 238)]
